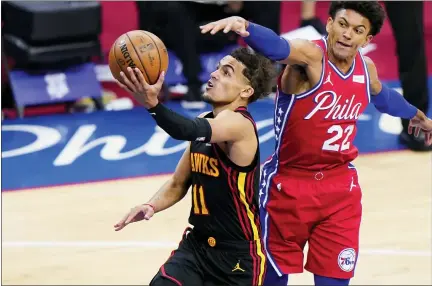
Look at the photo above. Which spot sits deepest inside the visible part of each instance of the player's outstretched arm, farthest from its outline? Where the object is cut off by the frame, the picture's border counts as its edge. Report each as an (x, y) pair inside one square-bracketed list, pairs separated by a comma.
[(168, 195), (387, 100), (267, 42), (227, 126), (176, 187)]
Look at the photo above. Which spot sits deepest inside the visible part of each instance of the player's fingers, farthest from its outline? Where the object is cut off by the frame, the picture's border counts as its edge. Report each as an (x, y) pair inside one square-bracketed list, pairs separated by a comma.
[(228, 28), (240, 29), (428, 137), (122, 221), (217, 28), (243, 32), (148, 215), (118, 227), (161, 79), (127, 82), (121, 224), (207, 27), (134, 79), (410, 129), (141, 78), (132, 216), (417, 131)]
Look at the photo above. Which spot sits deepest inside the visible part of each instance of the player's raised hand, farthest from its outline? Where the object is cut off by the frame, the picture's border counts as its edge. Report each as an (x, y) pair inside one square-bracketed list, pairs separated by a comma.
[(136, 214), (421, 124), (143, 92), (234, 23)]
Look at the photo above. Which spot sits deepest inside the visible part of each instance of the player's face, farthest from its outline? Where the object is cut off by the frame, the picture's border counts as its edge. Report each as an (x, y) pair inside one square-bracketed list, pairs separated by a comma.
[(347, 33), (227, 83)]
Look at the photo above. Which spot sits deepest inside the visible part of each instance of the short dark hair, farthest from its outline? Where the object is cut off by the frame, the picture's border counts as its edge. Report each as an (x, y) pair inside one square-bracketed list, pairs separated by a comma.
[(372, 10), (259, 70)]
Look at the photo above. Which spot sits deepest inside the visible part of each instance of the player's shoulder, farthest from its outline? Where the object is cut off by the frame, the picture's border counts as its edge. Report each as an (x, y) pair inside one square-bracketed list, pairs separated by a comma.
[(313, 49), (231, 114), (368, 60), (240, 118), (371, 68), (316, 42), (319, 44), (228, 115)]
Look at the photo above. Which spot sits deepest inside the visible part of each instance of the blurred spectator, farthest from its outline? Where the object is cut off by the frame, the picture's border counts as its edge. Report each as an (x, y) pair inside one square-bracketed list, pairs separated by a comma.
[(406, 18), (177, 24), (309, 18)]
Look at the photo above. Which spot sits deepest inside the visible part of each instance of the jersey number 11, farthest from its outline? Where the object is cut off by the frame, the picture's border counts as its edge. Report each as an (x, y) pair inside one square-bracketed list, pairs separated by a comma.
[(199, 205)]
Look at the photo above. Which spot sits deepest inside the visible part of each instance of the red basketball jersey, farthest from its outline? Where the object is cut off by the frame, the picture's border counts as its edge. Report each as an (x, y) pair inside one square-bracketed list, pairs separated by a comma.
[(315, 130)]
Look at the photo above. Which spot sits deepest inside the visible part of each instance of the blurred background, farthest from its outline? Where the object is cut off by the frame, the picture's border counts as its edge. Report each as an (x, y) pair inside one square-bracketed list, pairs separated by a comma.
[(78, 151)]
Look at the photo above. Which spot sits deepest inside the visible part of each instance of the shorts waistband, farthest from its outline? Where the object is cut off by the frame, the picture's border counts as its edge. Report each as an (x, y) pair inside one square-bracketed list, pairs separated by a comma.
[(222, 244), (318, 175)]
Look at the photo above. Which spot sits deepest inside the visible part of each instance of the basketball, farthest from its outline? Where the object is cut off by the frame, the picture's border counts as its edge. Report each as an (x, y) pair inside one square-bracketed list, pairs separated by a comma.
[(140, 49)]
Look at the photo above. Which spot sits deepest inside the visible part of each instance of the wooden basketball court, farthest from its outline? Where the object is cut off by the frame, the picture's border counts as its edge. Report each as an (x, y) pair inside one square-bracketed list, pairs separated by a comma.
[(65, 235)]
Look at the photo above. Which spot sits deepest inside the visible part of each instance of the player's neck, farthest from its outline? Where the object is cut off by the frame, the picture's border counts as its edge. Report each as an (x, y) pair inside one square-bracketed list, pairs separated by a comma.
[(342, 65), (219, 108)]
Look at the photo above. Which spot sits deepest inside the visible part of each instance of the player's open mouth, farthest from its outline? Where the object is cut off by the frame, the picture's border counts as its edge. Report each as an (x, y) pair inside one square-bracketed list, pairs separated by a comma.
[(344, 45), (209, 85)]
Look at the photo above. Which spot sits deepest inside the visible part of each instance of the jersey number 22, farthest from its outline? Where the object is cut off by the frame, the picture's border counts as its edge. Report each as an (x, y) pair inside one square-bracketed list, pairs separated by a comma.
[(331, 145)]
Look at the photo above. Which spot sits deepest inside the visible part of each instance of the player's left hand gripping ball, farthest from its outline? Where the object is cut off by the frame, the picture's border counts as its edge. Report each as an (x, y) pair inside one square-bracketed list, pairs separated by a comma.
[(421, 124), (144, 93)]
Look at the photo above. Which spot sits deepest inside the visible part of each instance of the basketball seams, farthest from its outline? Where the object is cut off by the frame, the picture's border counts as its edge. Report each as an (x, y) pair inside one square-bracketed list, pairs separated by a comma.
[(139, 59), (115, 56), (141, 43), (157, 49)]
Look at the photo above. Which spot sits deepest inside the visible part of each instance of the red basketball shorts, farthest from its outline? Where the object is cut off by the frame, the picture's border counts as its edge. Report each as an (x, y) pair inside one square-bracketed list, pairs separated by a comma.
[(323, 209)]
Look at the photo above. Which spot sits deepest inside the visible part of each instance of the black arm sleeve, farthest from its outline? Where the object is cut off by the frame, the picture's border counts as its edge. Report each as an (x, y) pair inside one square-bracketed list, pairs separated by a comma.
[(180, 127)]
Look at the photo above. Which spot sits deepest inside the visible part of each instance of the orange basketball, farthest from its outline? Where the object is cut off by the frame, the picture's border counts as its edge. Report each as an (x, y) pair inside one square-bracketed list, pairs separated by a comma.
[(140, 49)]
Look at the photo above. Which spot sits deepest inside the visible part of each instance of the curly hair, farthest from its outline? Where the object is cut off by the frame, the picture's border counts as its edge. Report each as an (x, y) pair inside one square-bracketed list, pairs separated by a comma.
[(372, 10), (259, 70)]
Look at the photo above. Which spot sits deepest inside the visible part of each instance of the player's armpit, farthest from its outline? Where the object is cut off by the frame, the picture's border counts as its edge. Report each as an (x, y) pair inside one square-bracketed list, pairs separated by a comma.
[(230, 126), (176, 187)]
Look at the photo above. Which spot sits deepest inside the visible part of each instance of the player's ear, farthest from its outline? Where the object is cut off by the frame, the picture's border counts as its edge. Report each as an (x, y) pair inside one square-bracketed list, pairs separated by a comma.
[(368, 40), (247, 92), (329, 23)]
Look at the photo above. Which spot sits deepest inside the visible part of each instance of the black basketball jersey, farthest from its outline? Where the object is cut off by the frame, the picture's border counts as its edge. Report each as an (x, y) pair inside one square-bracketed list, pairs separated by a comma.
[(225, 197)]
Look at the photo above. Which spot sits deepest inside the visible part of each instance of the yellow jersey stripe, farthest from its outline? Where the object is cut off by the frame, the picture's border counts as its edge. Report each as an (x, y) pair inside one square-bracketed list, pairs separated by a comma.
[(255, 231)]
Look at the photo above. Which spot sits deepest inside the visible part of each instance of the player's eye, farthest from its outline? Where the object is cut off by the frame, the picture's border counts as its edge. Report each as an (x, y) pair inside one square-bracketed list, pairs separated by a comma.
[(342, 24)]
